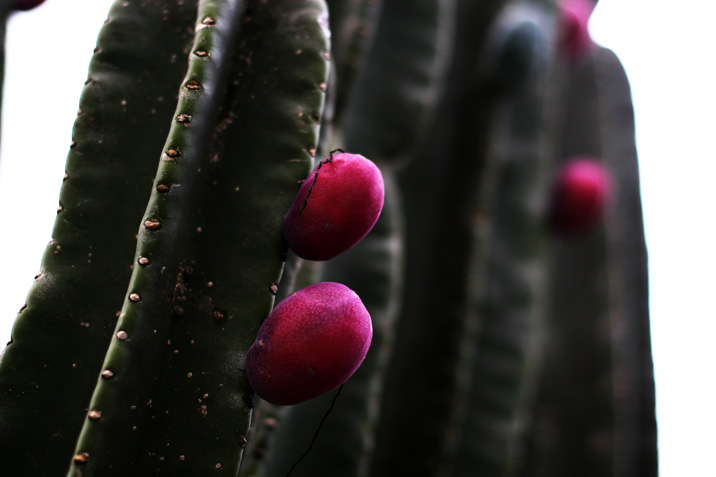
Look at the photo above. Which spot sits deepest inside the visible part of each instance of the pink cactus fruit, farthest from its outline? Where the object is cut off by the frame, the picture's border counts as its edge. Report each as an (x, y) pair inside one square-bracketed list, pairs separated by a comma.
[(581, 190), (574, 32), (337, 205), (311, 343), (26, 4)]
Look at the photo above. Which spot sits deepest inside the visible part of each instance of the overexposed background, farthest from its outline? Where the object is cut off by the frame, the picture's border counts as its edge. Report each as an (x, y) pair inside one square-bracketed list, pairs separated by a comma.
[(668, 54)]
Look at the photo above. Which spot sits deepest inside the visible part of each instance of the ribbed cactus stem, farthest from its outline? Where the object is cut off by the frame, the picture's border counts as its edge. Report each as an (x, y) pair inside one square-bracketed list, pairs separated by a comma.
[(398, 84), (121, 408), (123, 119), (504, 336)]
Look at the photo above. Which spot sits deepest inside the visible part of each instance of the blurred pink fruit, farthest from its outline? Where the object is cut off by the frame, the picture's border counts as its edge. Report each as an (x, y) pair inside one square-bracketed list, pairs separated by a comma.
[(574, 33), (580, 193)]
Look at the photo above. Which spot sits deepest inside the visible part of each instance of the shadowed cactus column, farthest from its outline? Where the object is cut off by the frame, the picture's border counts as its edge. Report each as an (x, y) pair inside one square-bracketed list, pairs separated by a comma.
[(59, 340), (222, 263), (503, 342), (594, 413), (400, 73)]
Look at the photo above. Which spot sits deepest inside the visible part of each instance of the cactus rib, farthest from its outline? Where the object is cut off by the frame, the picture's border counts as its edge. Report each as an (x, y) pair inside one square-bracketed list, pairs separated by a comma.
[(60, 338), (212, 242)]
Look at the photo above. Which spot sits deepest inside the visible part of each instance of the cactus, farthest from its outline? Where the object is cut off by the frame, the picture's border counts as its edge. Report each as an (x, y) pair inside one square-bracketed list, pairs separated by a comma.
[(499, 347)]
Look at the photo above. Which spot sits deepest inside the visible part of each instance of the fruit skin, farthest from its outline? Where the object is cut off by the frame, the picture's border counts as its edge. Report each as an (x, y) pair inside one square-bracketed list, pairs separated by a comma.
[(311, 343), (580, 194), (337, 205), (26, 4), (574, 18)]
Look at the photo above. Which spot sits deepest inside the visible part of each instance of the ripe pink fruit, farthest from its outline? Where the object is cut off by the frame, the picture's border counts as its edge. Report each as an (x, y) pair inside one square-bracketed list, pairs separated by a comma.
[(580, 194), (574, 18), (26, 4), (337, 205), (311, 343)]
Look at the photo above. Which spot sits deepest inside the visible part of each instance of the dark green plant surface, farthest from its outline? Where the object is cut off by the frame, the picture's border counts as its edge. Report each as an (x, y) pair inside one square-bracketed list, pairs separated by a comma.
[(219, 252), (353, 29), (60, 338), (502, 346), (397, 87), (441, 192), (594, 415), (209, 220)]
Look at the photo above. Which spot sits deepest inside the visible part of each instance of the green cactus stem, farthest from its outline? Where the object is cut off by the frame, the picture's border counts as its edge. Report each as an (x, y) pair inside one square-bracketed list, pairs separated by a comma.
[(502, 346), (240, 141), (211, 252), (353, 28), (441, 192), (60, 338), (398, 84), (594, 413), (129, 390)]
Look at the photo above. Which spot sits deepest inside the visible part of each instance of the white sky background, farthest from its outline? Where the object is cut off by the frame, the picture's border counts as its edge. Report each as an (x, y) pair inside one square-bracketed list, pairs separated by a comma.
[(668, 54)]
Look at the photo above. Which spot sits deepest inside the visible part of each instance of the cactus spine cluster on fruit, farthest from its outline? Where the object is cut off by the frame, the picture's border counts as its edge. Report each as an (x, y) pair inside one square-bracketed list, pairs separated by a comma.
[(501, 289)]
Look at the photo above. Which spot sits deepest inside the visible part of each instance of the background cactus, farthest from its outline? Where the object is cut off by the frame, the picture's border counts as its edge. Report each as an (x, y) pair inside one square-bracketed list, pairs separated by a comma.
[(496, 345)]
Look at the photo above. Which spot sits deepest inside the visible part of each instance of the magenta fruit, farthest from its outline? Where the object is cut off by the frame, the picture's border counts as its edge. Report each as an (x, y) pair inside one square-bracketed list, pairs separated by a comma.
[(311, 343), (337, 205), (574, 18), (581, 191)]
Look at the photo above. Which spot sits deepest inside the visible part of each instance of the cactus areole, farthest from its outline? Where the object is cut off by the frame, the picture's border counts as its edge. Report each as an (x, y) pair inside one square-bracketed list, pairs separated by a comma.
[(336, 206), (581, 191), (311, 343)]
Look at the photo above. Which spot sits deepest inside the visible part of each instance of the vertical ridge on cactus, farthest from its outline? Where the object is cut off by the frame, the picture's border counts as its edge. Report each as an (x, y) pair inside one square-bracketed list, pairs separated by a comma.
[(398, 85), (135, 355), (192, 322), (441, 192), (501, 355), (518, 47), (60, 339)]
